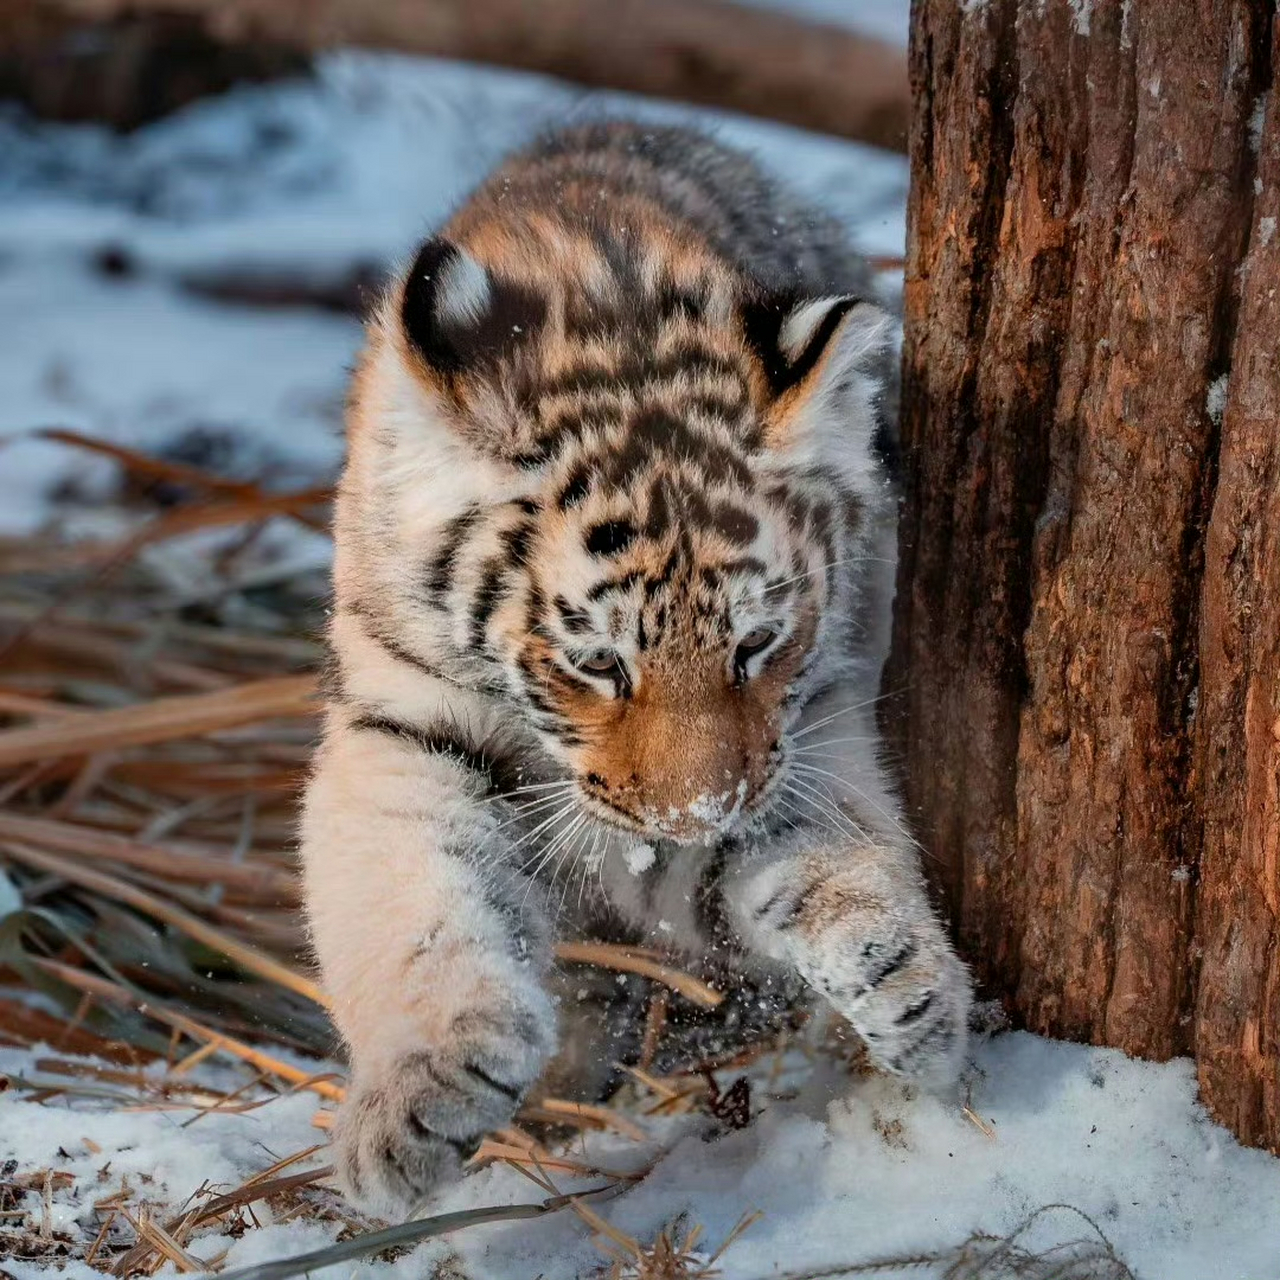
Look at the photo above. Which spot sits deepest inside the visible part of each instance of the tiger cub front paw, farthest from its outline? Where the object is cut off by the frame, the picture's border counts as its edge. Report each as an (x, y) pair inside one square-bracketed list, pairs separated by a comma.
[(908, 996), (411, 1127), (886, 965)]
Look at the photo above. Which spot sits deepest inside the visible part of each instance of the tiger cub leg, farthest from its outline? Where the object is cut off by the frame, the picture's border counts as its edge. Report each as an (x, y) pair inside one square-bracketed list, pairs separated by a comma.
[(431, 956), (855, 923)]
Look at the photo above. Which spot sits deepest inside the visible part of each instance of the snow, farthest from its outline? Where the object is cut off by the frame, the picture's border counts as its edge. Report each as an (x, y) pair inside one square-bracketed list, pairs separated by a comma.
[(1257, 120), (847, 1170), (102, 239), (1215, 401), (639, 858)]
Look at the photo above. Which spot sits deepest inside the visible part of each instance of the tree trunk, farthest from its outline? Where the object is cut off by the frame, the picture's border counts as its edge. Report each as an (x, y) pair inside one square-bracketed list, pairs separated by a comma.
[(1087, 630)]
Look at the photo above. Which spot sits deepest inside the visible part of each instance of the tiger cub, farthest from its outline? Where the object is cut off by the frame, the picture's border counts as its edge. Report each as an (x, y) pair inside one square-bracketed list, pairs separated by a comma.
[(609, 589)]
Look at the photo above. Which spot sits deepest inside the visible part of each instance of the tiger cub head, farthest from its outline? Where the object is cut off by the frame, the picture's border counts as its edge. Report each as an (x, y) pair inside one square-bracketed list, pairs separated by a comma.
[(628, 488)]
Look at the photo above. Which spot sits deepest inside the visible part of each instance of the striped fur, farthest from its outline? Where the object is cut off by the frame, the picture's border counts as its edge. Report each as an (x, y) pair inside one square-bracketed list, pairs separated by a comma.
[(610, 549)]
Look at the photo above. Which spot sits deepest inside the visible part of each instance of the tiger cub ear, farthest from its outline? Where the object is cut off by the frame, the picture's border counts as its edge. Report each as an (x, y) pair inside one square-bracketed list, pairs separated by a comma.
[(818, 356), (458, 316)]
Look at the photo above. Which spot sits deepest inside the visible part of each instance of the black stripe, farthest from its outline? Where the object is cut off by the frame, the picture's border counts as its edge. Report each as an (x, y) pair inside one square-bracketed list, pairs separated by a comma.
[(697, 510), (763, 319), (575, 621), (690, 445), (531, 459), (687, 360), (442, 565), (913, 1013), (678, 301), (653, 585), (507, 1090), (658, 517), (486, 600), (744, 564), (809, 358), (890, 965), (708, 896), (610, 537), (716, 406), (397, 651), (935, 1042), (656, 430), (576, 487), (774, 901), (531, 684), (734, 524), (517, 539), (627, 581), (535, 610), (500, 774), (551, 720)]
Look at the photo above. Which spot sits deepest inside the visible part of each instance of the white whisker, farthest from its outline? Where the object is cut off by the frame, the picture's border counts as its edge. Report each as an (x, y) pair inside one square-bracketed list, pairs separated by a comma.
[(813, 776), (560, 813), (546, 855), (835, 715), (525, 812), (572, 855), (557, 842), (866, 799), (827, 804), (588, 862), (833, 742), (533, 786), (812, 815), (821, 568)]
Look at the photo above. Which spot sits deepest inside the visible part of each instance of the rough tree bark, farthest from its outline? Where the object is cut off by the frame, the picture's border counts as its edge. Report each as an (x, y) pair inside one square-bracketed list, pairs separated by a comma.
[(1087, 632)]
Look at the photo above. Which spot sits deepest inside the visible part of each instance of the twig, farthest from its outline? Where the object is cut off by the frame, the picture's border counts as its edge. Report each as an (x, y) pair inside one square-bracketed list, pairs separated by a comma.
[(608, 955), (408, 1233)]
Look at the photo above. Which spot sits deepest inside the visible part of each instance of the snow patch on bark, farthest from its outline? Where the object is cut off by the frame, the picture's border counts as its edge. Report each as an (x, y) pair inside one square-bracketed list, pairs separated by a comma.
[(1215, 401), (1256, 120)]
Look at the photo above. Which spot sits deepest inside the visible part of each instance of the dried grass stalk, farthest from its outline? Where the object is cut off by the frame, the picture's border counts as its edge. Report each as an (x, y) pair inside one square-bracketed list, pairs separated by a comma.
[(609, 955), (247, 957), (265, 1062), (174, 860), (161, 719)]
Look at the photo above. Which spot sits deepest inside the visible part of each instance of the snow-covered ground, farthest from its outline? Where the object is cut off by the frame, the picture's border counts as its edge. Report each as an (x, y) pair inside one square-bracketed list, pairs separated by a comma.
[(100, 241), (845, 1173)]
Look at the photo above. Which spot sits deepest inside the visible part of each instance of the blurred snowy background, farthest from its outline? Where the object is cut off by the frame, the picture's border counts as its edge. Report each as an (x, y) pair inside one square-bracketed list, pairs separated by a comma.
[(192, 289), (191, 286)]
